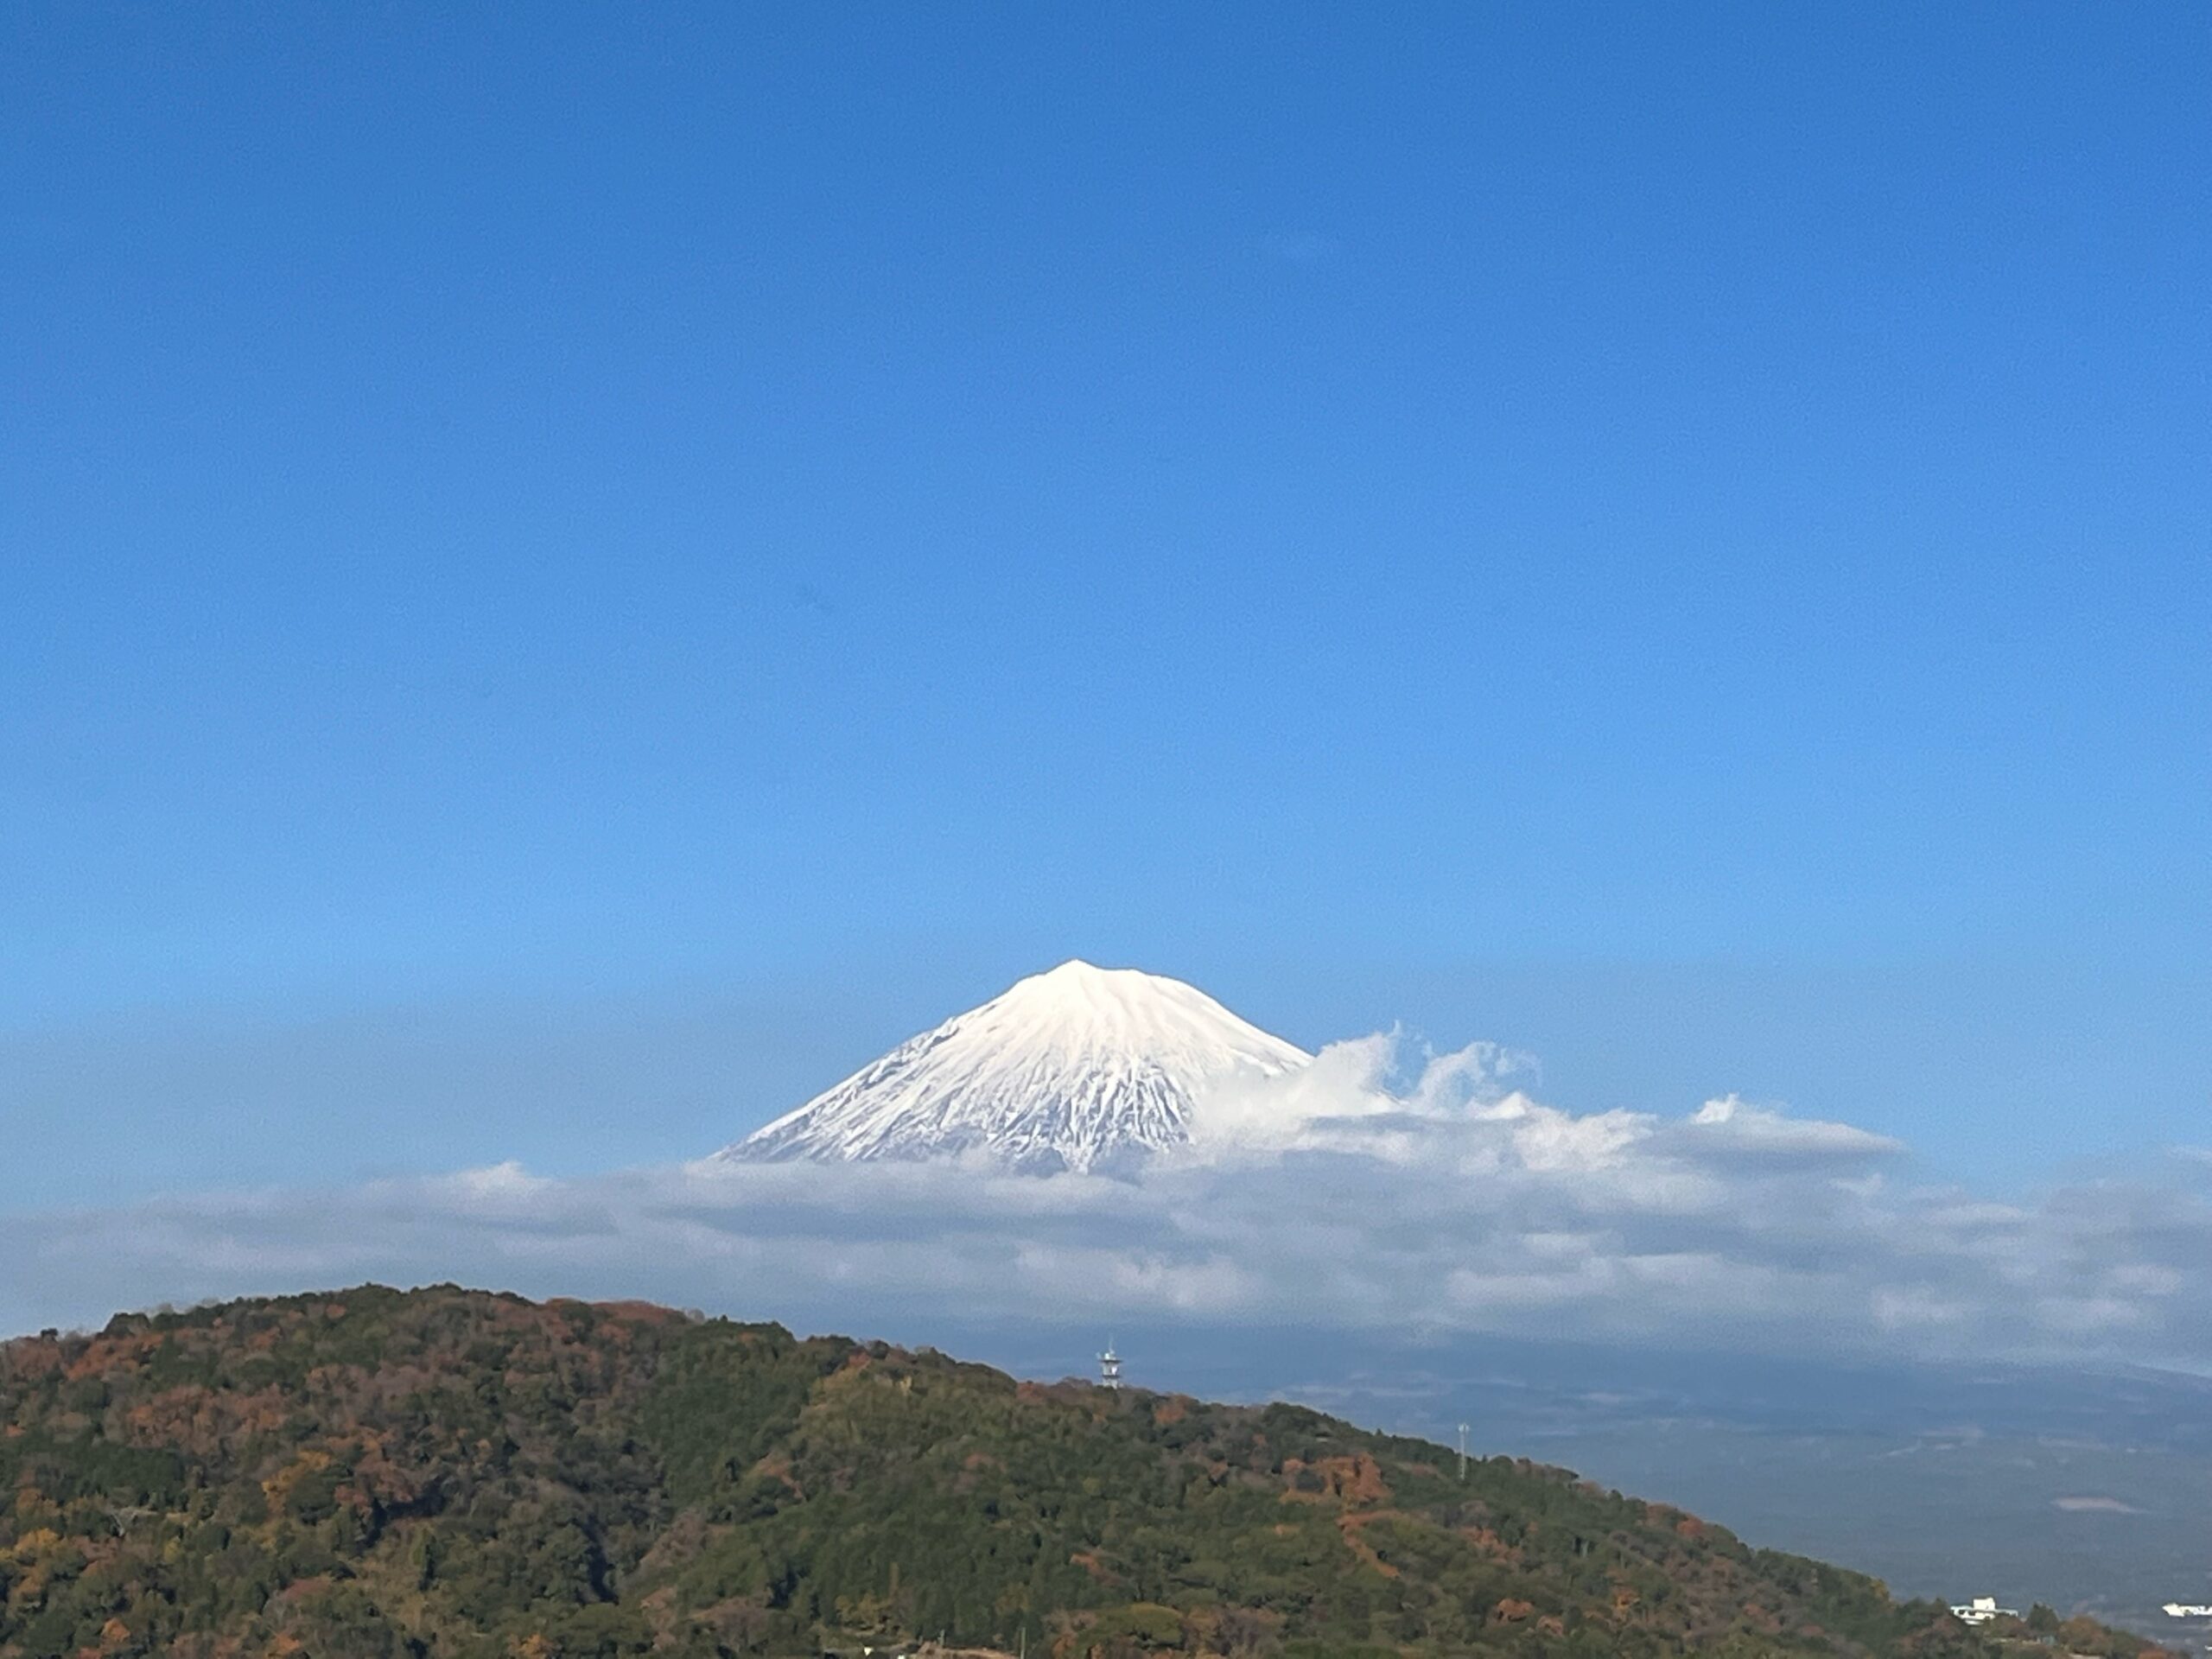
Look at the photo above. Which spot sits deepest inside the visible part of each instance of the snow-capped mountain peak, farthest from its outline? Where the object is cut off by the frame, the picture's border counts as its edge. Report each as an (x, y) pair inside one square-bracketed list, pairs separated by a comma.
[(1076, 1068)]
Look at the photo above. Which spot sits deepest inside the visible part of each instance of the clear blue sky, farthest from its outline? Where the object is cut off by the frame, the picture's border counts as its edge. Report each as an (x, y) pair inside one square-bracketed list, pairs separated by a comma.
[(671, 546)]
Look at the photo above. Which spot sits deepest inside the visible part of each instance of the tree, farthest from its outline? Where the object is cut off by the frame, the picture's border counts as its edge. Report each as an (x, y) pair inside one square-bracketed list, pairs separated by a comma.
[(738, 1626)]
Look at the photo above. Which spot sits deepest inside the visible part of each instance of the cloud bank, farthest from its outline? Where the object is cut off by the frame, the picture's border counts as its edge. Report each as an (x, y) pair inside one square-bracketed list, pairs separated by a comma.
[(1371, 1191)]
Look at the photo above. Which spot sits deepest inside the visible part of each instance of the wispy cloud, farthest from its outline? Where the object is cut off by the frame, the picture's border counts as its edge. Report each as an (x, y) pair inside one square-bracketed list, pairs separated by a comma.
[(1364, 1193)]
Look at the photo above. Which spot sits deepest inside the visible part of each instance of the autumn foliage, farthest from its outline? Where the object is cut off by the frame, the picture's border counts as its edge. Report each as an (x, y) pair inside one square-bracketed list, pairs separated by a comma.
[(375, 1474)]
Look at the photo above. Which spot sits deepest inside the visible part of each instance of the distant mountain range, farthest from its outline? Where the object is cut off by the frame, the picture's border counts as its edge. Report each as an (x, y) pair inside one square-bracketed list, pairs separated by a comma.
[(1080, 1068)]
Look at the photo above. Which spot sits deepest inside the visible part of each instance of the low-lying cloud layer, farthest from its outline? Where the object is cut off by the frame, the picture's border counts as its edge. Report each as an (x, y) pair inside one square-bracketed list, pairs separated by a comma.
[(1347, 1196)]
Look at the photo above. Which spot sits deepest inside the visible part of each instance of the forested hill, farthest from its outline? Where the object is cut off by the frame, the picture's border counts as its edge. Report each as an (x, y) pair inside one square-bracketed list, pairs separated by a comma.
[(372, 1473)]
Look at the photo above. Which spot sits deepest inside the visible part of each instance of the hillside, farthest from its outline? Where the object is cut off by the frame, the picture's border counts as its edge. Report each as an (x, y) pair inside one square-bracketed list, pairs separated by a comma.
[(447, 1472)]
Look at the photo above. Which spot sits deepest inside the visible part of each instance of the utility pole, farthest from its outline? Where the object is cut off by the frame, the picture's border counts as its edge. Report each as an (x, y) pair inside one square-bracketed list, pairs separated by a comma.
[(1462, 1450)]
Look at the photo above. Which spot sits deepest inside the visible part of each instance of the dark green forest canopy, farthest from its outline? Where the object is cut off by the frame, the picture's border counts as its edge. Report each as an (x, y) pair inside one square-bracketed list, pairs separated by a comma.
[(373, 1472)]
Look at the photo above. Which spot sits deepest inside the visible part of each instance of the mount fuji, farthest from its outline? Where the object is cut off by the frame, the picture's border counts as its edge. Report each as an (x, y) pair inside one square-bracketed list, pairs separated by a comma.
[(1080, 1068)]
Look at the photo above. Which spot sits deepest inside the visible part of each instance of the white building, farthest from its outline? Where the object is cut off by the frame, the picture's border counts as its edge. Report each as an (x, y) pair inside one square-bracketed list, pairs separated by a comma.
[(1980, 1610)]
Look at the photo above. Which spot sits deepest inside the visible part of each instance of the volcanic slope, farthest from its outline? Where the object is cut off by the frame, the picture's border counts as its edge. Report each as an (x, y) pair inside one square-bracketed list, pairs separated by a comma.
[(369, 1474), (1078, 1068)]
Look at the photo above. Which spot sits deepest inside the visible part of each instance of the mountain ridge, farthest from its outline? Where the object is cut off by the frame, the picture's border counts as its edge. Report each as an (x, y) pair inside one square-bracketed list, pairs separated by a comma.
[(442, 1473)]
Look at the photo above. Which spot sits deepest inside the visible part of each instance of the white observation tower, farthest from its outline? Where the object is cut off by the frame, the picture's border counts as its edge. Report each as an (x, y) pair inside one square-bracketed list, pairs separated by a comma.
[(1110, 1367)]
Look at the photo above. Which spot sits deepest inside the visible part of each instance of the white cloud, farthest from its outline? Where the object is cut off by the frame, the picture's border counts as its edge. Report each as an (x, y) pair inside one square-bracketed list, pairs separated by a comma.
[(1731, 1124), (1349, 1197)]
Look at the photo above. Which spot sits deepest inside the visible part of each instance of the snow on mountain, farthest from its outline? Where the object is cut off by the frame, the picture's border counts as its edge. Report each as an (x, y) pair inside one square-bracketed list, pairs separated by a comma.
[(1079, 1068)]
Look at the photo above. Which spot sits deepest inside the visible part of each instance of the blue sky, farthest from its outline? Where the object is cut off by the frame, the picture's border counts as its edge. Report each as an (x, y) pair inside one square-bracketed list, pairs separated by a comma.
[(569, 574)]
